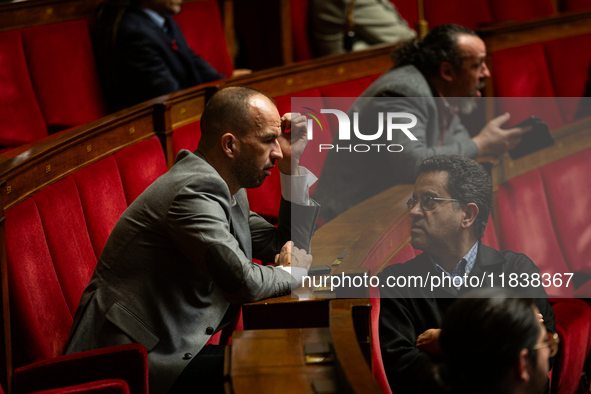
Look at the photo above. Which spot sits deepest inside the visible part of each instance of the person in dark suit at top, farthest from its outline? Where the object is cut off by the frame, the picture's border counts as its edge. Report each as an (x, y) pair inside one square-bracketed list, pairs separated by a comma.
[(142, 53)]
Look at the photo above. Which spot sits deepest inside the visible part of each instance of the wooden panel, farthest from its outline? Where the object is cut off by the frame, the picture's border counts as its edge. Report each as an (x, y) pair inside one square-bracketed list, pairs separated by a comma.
[(570, 139), (513, 34), (37, 165)]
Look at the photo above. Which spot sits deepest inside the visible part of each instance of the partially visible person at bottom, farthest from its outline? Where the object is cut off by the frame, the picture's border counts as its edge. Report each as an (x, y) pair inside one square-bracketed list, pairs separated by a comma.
[(495, 343)]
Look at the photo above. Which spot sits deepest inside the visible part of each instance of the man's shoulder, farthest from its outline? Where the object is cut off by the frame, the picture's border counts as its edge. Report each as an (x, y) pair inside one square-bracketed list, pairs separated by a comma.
[(416, 266), (135, 21), (405, 81), (512, 261)]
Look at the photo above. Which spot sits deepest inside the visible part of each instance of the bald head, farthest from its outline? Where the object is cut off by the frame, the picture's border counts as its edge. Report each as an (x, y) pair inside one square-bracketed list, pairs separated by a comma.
[(230, 110)]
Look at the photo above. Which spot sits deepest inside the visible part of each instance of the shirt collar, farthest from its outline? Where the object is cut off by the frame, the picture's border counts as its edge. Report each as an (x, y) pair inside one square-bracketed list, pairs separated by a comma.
[(464, 266), (156, 17)]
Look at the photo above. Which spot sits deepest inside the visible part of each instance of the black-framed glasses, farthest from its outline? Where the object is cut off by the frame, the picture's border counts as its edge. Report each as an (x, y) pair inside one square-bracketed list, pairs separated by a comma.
[(552, 342), (427, 202)]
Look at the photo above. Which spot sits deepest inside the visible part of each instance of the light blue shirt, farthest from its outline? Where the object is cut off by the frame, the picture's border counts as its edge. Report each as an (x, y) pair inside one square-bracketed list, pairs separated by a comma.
[(156, 17), (463, 268)]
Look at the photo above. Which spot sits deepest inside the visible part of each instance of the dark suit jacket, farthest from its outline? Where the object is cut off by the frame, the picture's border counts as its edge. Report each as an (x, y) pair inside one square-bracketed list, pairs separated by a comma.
[(148, 65), (405, 313), (177, 261)]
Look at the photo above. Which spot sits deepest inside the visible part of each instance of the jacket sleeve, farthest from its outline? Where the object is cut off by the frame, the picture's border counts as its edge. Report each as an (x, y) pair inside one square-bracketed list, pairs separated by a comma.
[(199, 223)]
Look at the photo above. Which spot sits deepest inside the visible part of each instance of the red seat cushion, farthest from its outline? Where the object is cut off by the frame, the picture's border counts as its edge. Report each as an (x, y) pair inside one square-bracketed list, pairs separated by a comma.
[(139, 166), (63, 71), (186, 137), (22, 121), (299, 30), (569, 199), (574, 5), (103, 199), (408, 9), (201, 24), (107, 386), (467, 13), (42, 316), (507, 10), (528, 81), (569, 77), (525, 226)]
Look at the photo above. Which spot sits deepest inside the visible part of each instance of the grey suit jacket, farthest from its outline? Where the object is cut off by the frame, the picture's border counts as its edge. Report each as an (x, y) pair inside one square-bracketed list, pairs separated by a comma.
[(350, 178), (175, 261)]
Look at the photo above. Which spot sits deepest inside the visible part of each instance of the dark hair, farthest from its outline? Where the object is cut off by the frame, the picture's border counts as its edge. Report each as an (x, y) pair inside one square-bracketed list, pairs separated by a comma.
[(481, 338), (227, 110), (440, 45), (467, 182)]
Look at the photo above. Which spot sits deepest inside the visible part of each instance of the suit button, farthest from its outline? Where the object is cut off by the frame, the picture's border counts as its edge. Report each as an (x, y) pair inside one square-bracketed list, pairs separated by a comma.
[(187, 356), (209, 330)]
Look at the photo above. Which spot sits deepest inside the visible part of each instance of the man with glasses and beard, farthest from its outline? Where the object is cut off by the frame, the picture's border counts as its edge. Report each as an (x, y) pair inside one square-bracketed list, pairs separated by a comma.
[(449, 207), (433, 79)]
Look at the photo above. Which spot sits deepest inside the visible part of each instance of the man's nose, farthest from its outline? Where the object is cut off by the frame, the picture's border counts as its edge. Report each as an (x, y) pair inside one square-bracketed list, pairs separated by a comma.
[(416, 211), (276, 151), (485, 71)]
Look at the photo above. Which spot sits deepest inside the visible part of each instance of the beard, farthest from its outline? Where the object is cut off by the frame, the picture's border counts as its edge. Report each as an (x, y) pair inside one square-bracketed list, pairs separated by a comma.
[(248, 174), (467, 105)]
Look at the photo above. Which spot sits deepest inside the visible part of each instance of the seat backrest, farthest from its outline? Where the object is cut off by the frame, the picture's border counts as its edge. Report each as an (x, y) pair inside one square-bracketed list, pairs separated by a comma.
[(531, 79), (63, 71), (522, 10), (408, 9), (201, 24), (574, 5), (22, 121), (568, 191), (469, 13), (526, 225), (54, 238), (568, 73), (302, 50)]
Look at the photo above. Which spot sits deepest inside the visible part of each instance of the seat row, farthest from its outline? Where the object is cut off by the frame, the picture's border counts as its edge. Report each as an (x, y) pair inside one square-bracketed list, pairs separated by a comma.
[(49, 77)]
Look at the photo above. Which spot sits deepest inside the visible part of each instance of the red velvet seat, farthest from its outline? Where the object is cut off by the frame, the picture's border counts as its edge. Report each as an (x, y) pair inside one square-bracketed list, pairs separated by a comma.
[(567, 187), (525, 226), (574, 5), (22, 121), (63, 72), (106, 386), (528, 82), (186, 137), (53, 240), (408, 9), (201, 24), (469, 13), (569, 77), (522, 10), (302, 50)]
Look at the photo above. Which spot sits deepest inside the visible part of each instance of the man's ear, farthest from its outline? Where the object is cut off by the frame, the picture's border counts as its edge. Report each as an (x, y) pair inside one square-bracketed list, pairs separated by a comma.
[(230, 145), (446, 71), (470, 213), (523, 367)]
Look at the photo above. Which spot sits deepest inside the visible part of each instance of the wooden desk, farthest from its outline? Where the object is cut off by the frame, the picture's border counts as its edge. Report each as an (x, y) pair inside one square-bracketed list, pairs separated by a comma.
[(371, 232), (265, 361)]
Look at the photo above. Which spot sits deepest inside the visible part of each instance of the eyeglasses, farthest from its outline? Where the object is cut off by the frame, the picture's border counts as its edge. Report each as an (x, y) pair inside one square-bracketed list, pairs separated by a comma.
[(552, 342), (427, 202)]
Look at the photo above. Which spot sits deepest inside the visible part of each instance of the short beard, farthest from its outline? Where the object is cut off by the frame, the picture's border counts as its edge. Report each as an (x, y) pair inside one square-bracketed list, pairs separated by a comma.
[(467, 105), (247, 174)]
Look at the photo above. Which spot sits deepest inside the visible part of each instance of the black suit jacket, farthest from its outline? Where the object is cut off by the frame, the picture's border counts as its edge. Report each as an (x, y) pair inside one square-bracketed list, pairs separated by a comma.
[(405, 313), (148, 64)]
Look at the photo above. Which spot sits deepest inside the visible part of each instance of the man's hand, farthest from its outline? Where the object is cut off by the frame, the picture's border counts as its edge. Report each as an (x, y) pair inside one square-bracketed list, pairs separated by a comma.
[(492, 140), (429, 341), (291, 256), (293, 143)]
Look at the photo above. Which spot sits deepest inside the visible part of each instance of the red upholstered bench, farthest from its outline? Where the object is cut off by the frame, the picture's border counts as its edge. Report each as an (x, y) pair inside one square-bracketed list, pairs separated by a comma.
[(53, 240), (201, 24)]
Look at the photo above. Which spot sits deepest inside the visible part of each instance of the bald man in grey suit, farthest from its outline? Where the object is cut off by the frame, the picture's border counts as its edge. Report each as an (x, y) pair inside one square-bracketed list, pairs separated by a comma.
[(178, 263)]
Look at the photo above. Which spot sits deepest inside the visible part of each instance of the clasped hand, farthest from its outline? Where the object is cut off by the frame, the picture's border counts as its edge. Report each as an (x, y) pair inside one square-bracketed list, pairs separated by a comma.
[(292, 143)]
